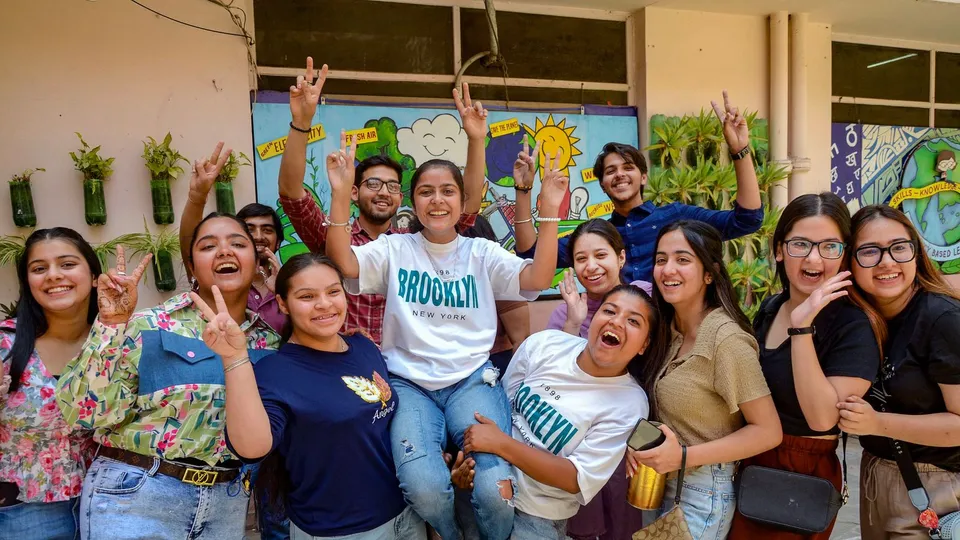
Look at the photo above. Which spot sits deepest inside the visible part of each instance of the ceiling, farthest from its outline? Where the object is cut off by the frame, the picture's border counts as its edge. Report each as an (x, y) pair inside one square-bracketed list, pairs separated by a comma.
[(916, 20)]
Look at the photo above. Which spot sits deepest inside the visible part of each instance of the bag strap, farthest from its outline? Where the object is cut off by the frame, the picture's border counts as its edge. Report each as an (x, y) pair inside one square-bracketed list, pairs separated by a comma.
[(845, 490), (683, 465)]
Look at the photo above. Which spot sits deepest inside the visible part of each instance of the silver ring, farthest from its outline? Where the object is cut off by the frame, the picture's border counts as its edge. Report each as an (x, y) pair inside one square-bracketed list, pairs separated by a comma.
[(121, 273)]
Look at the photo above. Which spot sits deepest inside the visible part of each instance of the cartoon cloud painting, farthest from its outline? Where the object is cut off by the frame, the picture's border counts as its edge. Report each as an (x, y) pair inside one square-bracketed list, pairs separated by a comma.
[(441, 138)]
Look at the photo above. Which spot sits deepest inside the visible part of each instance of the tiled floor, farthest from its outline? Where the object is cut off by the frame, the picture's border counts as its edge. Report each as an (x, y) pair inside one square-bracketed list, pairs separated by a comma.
[(848, 521)]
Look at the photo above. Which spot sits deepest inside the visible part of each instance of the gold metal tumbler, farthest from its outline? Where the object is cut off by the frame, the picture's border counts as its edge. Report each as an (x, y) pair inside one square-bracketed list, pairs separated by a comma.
[(646, 489)]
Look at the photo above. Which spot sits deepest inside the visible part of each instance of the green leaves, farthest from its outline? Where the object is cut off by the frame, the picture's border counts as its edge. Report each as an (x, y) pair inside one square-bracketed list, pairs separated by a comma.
[(11, 249), (90, 163), (231, 169), (161, 160), (24, 177)]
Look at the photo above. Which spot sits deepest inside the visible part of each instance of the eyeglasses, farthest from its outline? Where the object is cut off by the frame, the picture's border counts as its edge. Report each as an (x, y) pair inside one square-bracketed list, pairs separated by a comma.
[(903, 251), (374, 184), (828, 249)]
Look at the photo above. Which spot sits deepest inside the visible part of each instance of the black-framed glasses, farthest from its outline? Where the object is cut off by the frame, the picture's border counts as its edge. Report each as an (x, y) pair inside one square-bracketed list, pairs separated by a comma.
[(374, 184), (801, 247), (902, 251)]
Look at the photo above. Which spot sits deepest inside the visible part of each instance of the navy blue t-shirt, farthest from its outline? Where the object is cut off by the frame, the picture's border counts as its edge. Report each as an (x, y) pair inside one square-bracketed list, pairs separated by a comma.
[(330, 415)]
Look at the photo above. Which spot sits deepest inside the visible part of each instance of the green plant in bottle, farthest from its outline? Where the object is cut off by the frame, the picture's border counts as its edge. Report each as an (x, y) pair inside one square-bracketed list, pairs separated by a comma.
[(95, 170), (163, 163), (224, 182), (21, 199), (164, 246)]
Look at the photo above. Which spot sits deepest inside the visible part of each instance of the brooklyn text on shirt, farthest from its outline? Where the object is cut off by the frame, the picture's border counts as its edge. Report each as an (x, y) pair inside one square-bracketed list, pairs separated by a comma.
[(423, 288), (541, 415), (550, 391)]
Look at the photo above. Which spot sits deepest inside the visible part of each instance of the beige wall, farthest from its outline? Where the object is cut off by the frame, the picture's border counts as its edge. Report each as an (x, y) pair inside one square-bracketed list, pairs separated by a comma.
[(116, 73)]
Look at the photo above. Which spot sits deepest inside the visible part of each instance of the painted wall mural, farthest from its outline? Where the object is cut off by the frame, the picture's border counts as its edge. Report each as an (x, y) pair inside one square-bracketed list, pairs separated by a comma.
[(913, 168), (414, 135)]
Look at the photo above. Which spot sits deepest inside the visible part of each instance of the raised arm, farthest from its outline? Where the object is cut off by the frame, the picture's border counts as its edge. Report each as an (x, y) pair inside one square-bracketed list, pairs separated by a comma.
[(737, 135), (474, 119), (539, 275), (204, 174), (98, 389), (340, 171), (304, 97), (524, 169)]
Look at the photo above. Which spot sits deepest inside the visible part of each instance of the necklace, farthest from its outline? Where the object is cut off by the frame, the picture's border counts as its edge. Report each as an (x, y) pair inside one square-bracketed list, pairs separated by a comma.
[(447, 275), (343, 343)]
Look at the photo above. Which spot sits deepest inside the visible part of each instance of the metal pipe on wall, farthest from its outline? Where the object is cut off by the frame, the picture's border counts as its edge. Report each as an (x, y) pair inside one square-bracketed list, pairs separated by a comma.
[(779, 101), (800, 180)]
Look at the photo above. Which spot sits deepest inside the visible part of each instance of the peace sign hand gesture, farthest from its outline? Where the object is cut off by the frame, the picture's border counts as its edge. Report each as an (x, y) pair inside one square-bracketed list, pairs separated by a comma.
[(117, 292), (472, 115), (553, 186), (803, 315), (525, 166), (222, 334), (735, 129), (340, 165), (205, 172), (305, 95)]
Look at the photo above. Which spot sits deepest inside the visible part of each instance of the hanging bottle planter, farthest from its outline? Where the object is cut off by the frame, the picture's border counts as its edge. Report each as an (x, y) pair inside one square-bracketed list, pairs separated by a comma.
[(95, 170), (163, 164), (224, 183), (94, 202), (225, 201), (21, 199), (163, 272)]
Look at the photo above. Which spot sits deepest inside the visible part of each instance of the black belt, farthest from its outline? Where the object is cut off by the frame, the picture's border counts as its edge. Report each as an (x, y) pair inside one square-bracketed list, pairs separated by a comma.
[(198, 476)]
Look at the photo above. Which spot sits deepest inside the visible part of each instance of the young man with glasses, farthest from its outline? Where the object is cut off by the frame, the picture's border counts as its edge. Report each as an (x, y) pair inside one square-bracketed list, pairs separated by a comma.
[(376, 189)]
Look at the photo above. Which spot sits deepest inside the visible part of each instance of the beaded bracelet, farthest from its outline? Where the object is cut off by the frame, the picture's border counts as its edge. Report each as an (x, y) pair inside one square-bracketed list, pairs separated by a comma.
[(550, 219), (295, 128)]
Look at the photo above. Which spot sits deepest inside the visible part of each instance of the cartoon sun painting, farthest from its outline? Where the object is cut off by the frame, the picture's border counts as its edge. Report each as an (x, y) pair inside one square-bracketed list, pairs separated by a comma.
[(555, 138)]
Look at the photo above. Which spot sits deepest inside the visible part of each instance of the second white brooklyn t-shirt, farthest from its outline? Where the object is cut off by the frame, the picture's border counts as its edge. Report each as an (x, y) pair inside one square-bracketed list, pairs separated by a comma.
[(559, 408), (440, 319)]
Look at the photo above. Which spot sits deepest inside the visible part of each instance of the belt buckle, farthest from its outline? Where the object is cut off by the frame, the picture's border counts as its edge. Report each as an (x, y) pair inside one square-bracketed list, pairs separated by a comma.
[(200, 477)]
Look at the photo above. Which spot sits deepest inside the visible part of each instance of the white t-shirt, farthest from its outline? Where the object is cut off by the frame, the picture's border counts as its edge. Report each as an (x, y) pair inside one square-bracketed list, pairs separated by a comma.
[(440, 319), (558, 408)]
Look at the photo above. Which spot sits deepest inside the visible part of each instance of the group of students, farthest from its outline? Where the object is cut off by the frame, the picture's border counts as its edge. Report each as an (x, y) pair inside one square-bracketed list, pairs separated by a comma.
[(353, 388)]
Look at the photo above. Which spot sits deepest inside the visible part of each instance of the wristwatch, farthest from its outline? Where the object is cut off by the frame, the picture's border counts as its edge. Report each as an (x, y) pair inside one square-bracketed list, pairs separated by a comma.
[(801, 331), (741, 154)]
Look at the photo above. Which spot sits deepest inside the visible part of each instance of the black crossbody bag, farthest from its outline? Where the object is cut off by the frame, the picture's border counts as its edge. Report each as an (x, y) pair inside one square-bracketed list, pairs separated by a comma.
[(790, 501)]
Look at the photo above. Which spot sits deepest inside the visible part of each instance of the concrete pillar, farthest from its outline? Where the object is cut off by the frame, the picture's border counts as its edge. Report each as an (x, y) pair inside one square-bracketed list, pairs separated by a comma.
[(800, 181), (779, 102)]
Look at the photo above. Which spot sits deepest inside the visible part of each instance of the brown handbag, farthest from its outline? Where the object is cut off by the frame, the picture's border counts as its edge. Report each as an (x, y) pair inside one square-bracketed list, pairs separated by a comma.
[(671, 525)]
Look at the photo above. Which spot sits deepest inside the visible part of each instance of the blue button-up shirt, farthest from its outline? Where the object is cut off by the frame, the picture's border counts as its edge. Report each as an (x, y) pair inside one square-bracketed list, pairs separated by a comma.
[(640, 227)]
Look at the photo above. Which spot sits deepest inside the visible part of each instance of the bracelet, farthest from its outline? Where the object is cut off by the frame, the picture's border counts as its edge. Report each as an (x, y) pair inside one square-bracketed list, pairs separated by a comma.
[(744, 152), (522, 221), (523, 189), (328, 223), (550, 219), (811, 330), (238, 363), (295, 128)]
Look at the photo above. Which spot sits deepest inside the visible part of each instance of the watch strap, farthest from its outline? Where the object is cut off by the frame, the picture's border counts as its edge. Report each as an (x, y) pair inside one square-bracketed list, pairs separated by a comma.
[(801, 331), (744, 152)]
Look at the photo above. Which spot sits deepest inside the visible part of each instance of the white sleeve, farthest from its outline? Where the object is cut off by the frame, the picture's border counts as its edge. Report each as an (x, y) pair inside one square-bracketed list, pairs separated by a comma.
[(598, 454), (518, 367), (503, 269), (374, 262)]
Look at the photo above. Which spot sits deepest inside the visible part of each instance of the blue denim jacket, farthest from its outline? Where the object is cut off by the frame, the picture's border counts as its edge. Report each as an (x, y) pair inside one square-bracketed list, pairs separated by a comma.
[(640, 227)]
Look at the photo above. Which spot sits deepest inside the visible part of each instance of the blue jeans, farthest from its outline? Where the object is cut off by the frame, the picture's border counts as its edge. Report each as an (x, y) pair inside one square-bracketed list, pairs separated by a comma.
[(418, 434), (121, 502), (529, 527), (708, 500), (406, 526), (40, 521)]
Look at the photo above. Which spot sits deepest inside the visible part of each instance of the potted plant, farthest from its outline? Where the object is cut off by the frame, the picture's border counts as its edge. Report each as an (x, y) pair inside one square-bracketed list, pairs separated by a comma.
[(21, 198), (95, 170), (224, 183), (164, 246), (162, 161)]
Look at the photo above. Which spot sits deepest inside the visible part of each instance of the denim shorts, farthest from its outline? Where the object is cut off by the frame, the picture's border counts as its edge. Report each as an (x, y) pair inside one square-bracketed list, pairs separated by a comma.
[(708, 500), (50, 521)]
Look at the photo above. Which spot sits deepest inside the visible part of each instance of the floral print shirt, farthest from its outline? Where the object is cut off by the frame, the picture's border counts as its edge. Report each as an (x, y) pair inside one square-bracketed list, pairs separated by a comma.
[(39, 452), (152, 386)]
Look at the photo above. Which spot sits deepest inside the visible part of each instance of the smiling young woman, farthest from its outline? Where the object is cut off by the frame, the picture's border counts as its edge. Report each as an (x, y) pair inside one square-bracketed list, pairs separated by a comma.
[(42, 458), (154, 394), (914, 404)]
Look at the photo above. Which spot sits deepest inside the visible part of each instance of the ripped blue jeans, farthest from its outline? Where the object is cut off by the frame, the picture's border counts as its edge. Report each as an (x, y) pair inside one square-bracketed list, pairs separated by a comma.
[(418, 434)]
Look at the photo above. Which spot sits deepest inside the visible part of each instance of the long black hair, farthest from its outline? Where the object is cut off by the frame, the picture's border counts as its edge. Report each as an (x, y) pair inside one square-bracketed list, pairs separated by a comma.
[(707, 245), (31, 320), (273, 482)]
